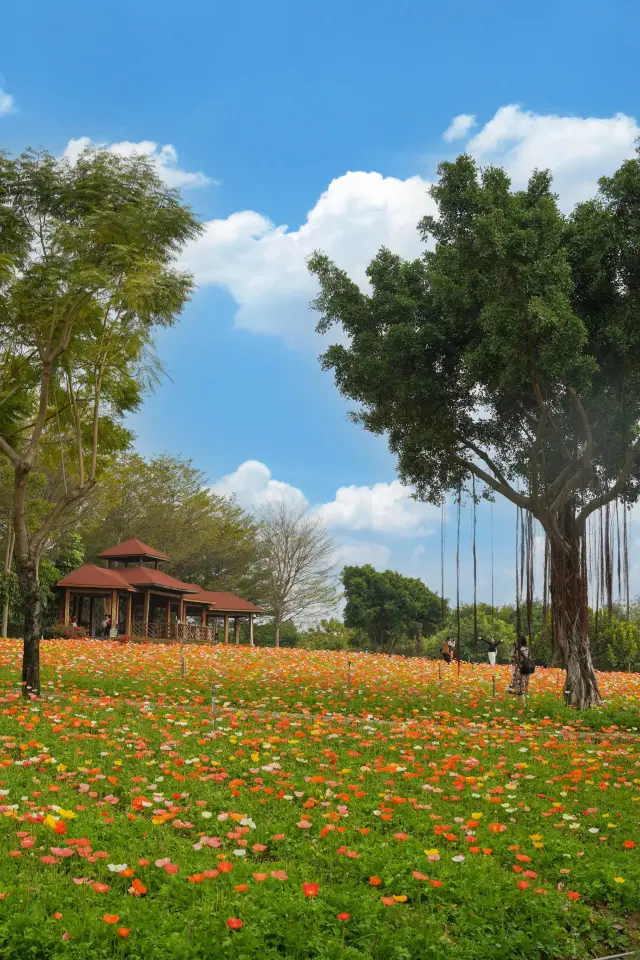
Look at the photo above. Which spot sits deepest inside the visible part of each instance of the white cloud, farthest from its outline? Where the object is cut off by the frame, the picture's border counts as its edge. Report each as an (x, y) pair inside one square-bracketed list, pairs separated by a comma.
[(253, 487), (165, 159), (578, 150), (382, 508), (7, 103), (459, 127), (359, 554), (263, 264)]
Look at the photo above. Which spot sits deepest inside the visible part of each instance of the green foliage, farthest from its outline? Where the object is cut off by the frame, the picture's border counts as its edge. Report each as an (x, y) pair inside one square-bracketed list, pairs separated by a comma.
[(166, 502), (330, 634), (388, 607)]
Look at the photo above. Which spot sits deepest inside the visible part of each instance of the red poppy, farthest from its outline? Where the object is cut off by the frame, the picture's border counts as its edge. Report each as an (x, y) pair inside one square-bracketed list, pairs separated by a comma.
[(111, 918), (375, 881), (388, 901), (57, 915), (234, 923), (435, 883), (100, 887), (523, 885), (123, 931), (310, 889), (137, 888), (573, 895), (344, 916), (628, 844), (241, 887), (225, 867)]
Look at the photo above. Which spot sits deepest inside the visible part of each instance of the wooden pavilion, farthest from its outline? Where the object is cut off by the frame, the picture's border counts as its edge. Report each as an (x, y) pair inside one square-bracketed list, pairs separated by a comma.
[(144, 601)]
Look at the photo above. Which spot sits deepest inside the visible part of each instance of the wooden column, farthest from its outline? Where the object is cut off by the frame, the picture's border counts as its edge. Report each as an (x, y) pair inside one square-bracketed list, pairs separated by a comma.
[(147, 602), (114, 610), (226, 628), (250, 629), (203, 617), (168, 618), (129, 613), (236, 629), (67, 602)]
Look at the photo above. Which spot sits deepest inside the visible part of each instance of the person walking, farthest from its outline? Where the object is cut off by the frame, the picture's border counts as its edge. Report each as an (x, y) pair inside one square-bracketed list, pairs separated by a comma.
[(522, 666)]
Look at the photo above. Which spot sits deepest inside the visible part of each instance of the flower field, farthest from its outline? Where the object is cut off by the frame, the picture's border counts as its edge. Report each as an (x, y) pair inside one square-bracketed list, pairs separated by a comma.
[(385, 808)]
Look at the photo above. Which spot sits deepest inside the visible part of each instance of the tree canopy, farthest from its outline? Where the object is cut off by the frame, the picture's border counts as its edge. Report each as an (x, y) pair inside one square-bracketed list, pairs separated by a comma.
[(388, 607)]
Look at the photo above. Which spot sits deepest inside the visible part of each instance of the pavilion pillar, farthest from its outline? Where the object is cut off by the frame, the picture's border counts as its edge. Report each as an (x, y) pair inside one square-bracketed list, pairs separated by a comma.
[(168, 618), (226, 628), (236, 629), (129, 614), (67, 604), (114, 609), (91, 625), (147, 602), (250, 629)]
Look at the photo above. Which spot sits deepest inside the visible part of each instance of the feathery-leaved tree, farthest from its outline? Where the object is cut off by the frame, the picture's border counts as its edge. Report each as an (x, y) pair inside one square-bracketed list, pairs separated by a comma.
[(87, 272), (510, 351)]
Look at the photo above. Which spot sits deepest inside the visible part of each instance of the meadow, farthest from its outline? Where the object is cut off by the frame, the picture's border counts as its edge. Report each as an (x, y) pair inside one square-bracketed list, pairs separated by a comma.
[(324, 805)]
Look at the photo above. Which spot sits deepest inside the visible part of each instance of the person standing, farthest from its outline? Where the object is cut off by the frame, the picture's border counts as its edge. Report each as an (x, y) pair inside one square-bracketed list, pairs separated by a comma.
[(522, 666), (492, 651)]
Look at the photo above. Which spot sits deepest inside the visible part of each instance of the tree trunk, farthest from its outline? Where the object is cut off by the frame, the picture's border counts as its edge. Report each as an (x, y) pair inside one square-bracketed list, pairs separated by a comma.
[(27, 571), (8, 560), (277, 626), (569, 611)]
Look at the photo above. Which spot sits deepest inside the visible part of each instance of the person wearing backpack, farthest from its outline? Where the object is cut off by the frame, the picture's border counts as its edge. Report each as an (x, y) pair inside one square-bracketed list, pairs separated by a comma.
[(522, 667)]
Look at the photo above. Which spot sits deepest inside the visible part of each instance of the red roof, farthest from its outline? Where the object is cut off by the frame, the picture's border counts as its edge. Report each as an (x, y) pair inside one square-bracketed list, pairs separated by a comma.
[(132, 548), (144, 577), (223, 602), (98, 578)]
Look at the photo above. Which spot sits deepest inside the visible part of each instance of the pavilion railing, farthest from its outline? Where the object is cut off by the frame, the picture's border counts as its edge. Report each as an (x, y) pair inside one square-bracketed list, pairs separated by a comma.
[(178, 632)]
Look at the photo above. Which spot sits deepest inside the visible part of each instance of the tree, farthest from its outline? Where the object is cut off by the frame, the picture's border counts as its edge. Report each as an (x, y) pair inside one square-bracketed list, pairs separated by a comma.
[(389, 607), (298, 552), (329, 634), (167, 502), (509, 352), (87, 272)]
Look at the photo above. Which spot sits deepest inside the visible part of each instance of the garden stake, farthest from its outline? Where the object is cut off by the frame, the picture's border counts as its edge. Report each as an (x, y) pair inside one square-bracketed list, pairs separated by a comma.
[(494, 684)]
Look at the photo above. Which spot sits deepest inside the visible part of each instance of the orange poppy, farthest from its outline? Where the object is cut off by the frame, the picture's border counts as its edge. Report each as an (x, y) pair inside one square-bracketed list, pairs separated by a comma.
[(111, 918), (234, 923)]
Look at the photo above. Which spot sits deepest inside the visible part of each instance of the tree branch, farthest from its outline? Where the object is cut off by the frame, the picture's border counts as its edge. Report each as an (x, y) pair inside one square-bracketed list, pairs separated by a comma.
[(8, 450), (583, 464), (612, 493), (38, 538), (505, 489)]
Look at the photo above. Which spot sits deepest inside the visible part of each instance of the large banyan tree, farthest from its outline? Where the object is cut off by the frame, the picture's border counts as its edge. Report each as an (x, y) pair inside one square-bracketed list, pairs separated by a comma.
[(509, 353)]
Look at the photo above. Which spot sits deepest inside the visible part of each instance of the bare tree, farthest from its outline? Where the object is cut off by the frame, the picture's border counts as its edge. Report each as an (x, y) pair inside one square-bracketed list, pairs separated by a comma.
[(298, 554)]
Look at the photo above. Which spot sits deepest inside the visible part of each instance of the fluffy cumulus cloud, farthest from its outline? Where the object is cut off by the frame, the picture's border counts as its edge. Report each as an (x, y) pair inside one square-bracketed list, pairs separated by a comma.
[(459, 127), (262, 264), (165, 159), (254, 488), (7, 103), (382, 508), (578, 150)]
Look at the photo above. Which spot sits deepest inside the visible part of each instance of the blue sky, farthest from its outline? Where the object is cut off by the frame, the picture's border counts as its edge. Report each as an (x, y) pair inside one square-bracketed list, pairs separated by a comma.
[(292, 126)]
